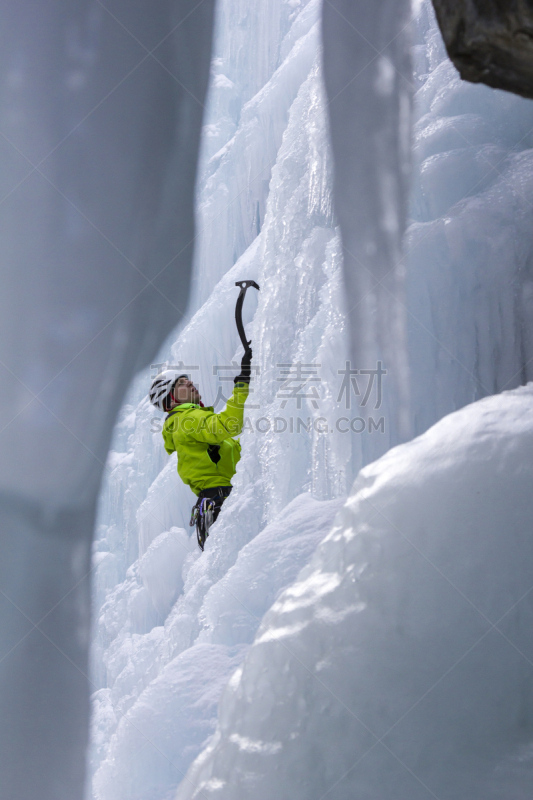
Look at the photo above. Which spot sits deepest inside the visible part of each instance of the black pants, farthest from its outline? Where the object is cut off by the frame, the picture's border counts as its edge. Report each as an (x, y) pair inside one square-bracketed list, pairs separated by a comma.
[(207, 509)]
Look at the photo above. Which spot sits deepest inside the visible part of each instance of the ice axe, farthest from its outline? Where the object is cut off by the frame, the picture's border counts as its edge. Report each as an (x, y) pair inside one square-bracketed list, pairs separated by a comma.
[(244, 286)]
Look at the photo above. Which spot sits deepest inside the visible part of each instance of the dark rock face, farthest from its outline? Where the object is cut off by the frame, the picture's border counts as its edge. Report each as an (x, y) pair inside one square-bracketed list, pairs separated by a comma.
[(490, 41)]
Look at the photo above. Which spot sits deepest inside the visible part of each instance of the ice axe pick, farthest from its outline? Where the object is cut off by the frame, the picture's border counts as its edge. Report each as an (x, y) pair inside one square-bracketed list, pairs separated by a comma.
[(244, 286)]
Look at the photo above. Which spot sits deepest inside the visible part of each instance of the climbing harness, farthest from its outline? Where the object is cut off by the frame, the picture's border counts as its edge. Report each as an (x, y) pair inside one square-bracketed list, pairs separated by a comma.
[(206, 510), (244, 286)]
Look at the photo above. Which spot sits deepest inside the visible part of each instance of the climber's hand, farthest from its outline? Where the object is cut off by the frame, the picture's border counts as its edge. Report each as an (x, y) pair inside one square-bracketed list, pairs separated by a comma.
[(246, 372)]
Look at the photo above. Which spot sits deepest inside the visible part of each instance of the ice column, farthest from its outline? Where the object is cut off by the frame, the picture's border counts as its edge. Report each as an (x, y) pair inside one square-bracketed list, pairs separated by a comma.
[(368, 82), (100, 113)]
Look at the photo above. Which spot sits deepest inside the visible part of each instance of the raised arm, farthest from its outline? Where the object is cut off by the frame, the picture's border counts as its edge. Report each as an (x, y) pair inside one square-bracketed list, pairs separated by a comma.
[(214, 428)]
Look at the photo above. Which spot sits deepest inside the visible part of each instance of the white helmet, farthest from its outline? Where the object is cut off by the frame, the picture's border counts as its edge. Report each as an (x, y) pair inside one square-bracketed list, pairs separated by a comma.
[(162, 387)]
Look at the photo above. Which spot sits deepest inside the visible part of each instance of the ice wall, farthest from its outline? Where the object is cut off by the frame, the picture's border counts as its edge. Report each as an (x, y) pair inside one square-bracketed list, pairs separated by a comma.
[(101, 107), (468, 250), (265, 212), (253, 87)]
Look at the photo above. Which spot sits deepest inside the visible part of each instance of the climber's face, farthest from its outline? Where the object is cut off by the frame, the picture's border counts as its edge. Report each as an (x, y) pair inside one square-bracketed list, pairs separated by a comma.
[(185, 391)]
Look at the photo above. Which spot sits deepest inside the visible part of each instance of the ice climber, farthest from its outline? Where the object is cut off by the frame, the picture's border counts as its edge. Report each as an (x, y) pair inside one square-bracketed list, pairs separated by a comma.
[(207, 452)]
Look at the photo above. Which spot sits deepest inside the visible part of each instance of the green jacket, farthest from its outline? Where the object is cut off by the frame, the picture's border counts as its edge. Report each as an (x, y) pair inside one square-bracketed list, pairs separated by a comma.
[(207, 454)]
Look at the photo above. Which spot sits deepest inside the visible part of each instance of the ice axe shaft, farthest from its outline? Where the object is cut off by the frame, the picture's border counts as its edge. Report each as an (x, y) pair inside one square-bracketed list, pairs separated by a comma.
[(244, 286)]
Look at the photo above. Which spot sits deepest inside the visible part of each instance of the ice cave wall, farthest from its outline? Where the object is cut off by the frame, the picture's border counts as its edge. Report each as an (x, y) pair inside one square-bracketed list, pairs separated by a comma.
[(101, 108)]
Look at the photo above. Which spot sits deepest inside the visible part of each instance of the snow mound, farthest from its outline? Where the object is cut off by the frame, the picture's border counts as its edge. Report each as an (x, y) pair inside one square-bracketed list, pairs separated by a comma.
[(162, 707), (400, 662), (170, 721), (235, 605)]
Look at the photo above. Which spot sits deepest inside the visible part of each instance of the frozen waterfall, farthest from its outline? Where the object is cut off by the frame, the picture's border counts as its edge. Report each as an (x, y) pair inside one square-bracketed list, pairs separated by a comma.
[(396, 662)]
